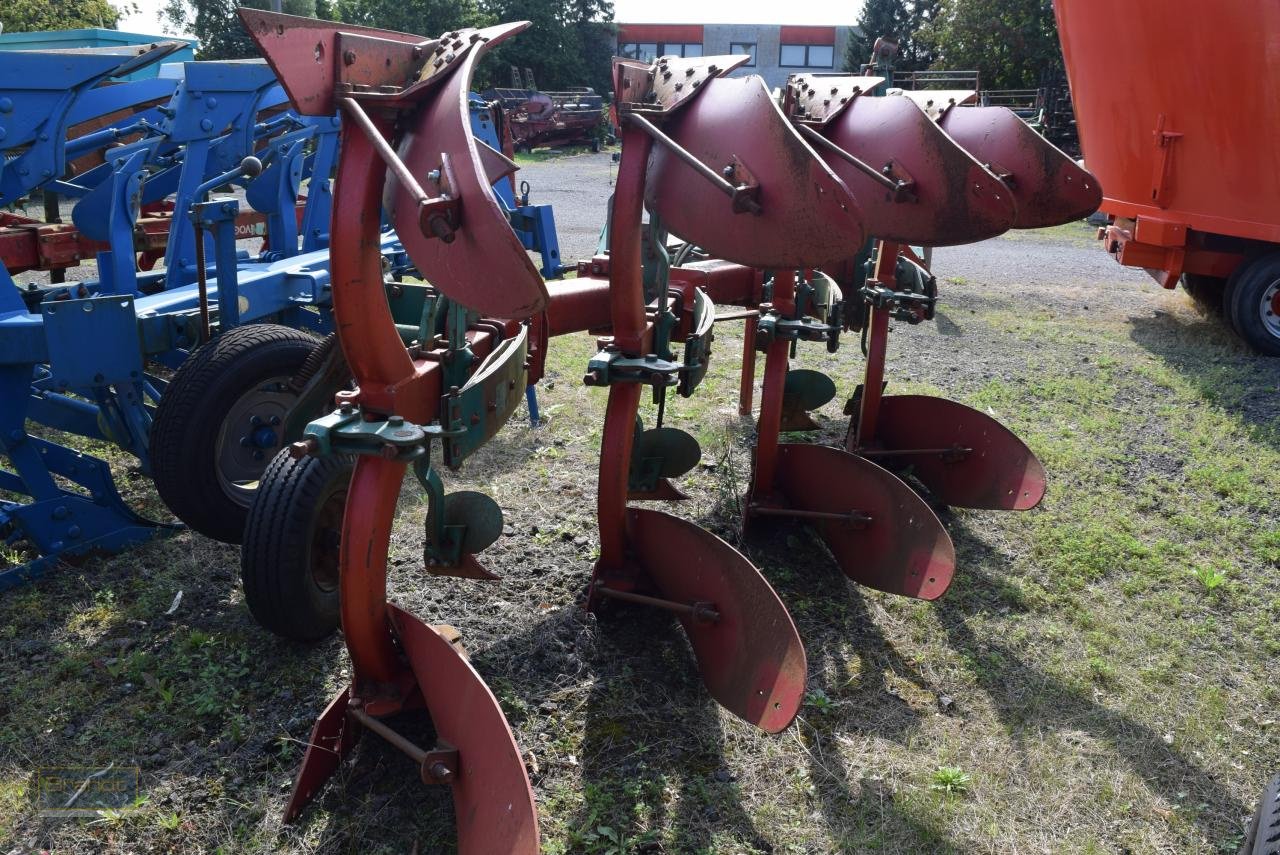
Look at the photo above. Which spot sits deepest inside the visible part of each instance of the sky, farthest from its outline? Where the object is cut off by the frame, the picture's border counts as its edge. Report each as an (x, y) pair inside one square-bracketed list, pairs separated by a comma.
[(737, 12), (148, 18)]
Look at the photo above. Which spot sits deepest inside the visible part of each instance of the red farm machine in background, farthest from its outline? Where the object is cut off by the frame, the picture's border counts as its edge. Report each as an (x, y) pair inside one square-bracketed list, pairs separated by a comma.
[(536, 118), (1176, 101)]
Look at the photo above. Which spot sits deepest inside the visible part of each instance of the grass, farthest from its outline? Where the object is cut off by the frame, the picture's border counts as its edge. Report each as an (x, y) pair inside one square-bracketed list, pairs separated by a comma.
[(1099, 677)]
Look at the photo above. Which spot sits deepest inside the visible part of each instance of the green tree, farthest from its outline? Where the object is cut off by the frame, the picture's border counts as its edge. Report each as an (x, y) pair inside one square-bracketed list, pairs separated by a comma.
[(899, 19), (568, 44), (215, 25), (24, 16), (1012, 43), (420, 17)]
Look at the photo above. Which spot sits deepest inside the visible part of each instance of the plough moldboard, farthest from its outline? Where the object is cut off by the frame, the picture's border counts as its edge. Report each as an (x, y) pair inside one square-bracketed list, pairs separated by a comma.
[(804, 211)]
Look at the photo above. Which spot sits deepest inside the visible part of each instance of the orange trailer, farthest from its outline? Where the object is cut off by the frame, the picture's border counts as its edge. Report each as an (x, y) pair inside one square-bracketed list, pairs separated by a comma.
[(1178, 106)]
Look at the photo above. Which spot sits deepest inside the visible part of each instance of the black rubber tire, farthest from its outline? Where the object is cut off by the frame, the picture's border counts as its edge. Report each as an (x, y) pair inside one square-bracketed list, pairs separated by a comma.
[(1206, 291), (1229, 294), (1245, 301), (1263, 837), (191, 414), (289, 558)]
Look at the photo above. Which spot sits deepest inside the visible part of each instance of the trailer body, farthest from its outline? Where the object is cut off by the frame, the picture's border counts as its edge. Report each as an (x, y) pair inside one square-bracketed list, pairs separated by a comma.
[(1177, 102)]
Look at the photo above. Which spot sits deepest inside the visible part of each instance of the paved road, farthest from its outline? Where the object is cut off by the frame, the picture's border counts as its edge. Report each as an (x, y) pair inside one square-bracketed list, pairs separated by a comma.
[(579, 187)]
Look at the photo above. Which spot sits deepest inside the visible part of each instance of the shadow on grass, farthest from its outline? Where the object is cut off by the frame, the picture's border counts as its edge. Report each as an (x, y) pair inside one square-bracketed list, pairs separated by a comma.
[(632, 744), (838, 631), (1218, 365), (1027, 699)]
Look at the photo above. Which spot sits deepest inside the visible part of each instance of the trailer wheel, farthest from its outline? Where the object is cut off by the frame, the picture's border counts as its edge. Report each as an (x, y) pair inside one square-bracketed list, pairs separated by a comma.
[(218, 424), (1254, 304), (1206, 291), (289, 558), (1266, 818)]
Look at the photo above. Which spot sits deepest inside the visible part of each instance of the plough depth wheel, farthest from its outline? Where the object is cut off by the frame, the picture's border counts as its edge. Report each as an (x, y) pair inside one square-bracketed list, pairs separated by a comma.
[(289, 559), (220, 422)]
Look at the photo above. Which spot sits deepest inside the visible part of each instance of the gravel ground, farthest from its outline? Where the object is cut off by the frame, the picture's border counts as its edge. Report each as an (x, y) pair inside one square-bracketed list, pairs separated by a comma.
[(579, 186)]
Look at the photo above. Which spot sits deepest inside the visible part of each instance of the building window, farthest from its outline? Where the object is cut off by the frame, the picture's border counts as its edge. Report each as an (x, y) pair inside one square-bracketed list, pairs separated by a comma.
[(649, 51), (643, 51), (749, 48), (807, 56)]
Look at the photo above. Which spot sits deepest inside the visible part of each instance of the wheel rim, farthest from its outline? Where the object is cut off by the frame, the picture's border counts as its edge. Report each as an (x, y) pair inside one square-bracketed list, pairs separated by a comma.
[(1269, 308), (250, 437), (326, 539)]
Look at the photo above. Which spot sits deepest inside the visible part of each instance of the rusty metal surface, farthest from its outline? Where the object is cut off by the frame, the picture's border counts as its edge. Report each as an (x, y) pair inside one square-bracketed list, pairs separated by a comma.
[(808, 216), (935, 102), (1000, 473), (303, 53), (331, 740), (1049, 187), (485, 267), (903, 549), (491, 795), (956, 199), (751, 659), (669, 82), (820, 99)]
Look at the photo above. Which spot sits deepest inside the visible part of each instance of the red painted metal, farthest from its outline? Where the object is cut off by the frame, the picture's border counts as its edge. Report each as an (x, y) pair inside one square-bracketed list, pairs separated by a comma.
[(29, 244), (954, 198), (492, 799), (366, 534), (903, 549), (973, 461), (1166, 156), (877, 342), (485, 267), (1221, 173), (751, 659), (660, 33), (746, 383), (627, 310), (771, 390), (491, 791), (997, 471), (1049, 187), (808, 216), (799, 35), (304, 54), (332, 738)]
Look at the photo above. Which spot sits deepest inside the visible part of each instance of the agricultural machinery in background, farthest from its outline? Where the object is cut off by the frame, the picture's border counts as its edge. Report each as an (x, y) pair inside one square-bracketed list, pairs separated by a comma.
[(194, 355), (1180, 140), (800, 214), (534, 118)]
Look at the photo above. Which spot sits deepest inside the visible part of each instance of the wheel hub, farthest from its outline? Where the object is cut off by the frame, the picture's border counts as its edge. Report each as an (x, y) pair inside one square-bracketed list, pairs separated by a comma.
[(1269, 308), (249, 435)]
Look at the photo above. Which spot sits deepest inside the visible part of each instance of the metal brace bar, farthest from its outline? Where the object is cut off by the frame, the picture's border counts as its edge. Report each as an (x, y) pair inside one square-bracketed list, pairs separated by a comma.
[(900, 189), (733, 192), (702, 612), (436, 767), (383, 148), (857, 519)]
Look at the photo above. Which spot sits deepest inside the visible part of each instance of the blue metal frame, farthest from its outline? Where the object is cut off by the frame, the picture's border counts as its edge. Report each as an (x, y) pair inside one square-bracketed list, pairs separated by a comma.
[(79, 364)]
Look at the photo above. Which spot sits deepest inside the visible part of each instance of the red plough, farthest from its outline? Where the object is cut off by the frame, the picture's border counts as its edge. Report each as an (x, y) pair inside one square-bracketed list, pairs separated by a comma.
[(775, 195), (409, 397), (761, 199)]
